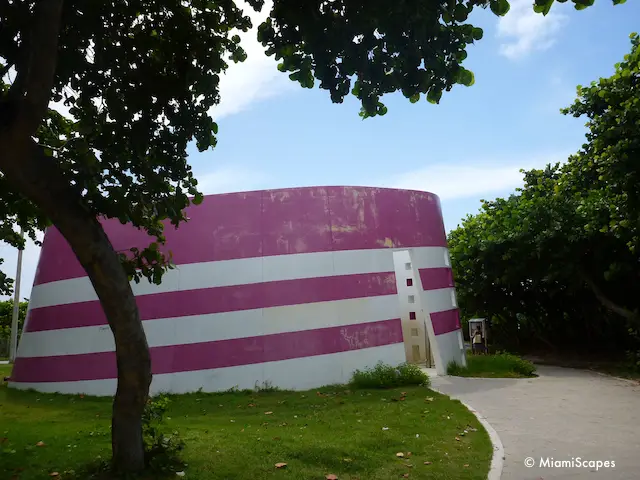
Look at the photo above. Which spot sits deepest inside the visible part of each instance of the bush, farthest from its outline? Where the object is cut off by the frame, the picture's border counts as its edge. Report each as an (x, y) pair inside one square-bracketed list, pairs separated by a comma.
[(498, 365), (387, 376), (162, 451)]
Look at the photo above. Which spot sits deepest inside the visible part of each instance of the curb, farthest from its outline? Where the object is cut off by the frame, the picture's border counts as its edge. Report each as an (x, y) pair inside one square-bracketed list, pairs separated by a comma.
[(621, 379), (497, 460)]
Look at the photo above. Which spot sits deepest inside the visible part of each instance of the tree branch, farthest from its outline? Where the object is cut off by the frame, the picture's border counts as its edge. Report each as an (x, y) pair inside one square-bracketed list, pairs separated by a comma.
[(37, 73), (4, 70), (607, 302)]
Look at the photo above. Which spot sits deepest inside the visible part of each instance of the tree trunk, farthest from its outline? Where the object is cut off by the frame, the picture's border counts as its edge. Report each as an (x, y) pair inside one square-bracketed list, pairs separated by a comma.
[(39, 178)]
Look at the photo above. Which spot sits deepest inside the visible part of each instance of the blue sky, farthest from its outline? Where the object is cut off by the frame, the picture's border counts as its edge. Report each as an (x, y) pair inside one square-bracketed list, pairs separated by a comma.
[(274, 134)]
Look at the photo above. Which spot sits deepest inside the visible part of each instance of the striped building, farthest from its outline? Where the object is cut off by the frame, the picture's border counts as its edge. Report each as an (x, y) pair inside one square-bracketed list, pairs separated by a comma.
[(294, 288)]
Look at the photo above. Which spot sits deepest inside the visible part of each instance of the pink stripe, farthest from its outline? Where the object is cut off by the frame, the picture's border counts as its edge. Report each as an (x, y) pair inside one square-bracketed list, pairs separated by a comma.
[(275, 222), (445, 322), (216, 354), (220, 299), (435, 278)]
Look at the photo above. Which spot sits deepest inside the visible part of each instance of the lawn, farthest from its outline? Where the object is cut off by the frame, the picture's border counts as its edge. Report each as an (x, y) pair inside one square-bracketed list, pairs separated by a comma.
[(353, 434), (499, 365)]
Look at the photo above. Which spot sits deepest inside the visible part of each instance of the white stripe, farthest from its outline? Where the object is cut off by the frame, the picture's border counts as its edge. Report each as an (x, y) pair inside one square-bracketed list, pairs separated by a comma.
[(293, 374), (449, 350), (215, 326), (437, 300), (245, 271), (228, 325)]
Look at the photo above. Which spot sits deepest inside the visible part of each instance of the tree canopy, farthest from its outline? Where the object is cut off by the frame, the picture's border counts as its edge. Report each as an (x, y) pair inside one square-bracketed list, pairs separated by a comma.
[(557, 263), (140, 79), (6, 316)]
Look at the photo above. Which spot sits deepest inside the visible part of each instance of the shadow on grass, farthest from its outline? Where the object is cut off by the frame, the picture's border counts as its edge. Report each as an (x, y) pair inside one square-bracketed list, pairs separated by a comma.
[(242, 435)]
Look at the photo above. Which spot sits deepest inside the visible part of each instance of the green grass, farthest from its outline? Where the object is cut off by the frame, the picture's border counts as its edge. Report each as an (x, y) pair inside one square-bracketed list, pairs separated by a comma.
[(499, 365), (352, 433)]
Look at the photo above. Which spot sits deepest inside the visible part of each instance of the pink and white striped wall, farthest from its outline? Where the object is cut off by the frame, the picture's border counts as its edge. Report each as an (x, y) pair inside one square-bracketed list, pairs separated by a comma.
[(295, 288)]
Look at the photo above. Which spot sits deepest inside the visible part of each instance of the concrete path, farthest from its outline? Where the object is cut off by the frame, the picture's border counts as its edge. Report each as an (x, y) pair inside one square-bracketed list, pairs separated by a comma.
[(563, 414)]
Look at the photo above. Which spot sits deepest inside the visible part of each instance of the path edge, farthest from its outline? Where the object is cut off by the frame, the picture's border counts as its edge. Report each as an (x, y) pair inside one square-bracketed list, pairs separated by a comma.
[(497, 460)]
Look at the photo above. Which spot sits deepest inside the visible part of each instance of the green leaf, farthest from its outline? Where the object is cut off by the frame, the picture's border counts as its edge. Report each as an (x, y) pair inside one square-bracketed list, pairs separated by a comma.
[(434, 95), (477, 33), (460, 13), (466, 77), (214, 128), (197, 199), (542, 6), (414, 98), (499, 7)]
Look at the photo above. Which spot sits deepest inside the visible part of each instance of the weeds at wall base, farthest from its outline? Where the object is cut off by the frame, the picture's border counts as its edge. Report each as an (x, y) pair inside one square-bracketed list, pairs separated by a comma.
[(388, 376)]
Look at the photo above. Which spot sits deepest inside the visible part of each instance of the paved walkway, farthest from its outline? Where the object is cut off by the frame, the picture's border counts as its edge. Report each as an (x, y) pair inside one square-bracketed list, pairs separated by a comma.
[(563, 413)]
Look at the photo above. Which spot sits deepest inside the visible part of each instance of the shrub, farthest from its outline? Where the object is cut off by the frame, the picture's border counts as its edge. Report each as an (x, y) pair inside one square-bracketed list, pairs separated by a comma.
[(162, 451), (633, 361), (498, 365), (388, 376)]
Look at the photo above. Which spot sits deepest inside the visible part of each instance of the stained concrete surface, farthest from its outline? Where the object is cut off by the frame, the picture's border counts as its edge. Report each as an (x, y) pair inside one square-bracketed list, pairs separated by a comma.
[(562, 415)]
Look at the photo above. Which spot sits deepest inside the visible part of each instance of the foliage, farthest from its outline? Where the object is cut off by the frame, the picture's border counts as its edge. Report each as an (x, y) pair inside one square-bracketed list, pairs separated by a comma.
[(6, 316), (499, 365), (556, 263), (140, 79), (138, 95), (543, 6), (138, 91), (415, 47), (162, 450), (388, 376), (334, 429)]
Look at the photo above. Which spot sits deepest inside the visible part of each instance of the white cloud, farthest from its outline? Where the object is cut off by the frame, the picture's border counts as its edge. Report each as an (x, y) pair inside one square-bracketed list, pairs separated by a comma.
[(525, 31), (458, 180), (253, 80)]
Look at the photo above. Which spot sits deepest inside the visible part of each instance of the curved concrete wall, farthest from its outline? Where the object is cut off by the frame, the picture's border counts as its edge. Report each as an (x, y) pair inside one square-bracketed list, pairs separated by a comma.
[(295, 288)]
